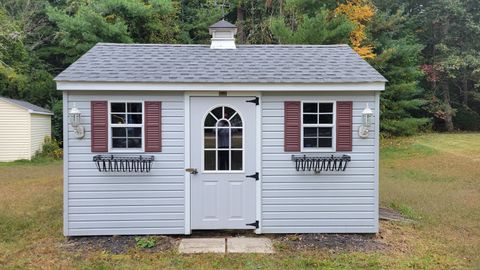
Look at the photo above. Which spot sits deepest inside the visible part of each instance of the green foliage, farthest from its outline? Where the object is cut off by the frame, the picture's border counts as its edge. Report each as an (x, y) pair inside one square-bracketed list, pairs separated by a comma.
[(50, 149), (146, 242), (57, 120), (398, 59), (467, 119), (321, 28), (451, 54), (82, 30), (22, 74), (82, 25)]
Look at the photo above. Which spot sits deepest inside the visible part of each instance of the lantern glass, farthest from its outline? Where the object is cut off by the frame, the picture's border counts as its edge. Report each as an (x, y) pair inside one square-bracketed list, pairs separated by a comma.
[(367, 115), (74, 117)]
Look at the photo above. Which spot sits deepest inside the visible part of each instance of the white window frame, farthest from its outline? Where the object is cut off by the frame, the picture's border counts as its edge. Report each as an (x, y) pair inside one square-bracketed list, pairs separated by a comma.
[(216, 149), (110, 125), (333, 126)]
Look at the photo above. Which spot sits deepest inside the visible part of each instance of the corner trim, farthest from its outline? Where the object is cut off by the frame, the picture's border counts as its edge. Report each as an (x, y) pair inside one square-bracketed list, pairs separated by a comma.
[(65, 165)]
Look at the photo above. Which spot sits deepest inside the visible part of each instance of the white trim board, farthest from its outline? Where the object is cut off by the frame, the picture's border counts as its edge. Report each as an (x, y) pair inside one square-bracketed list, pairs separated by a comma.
[(258, 192), (66, 126), (129, 86)]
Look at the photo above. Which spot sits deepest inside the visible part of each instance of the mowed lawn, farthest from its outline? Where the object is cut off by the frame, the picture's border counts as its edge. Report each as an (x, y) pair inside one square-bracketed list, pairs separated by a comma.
[(433, 179)]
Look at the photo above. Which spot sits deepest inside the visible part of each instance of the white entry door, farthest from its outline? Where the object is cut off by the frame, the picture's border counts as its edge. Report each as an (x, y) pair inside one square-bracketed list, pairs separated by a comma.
[(223, 162)]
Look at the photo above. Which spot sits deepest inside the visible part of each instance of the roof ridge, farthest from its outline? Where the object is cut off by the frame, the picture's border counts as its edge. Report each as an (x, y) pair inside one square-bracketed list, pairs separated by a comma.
[(207, 45)]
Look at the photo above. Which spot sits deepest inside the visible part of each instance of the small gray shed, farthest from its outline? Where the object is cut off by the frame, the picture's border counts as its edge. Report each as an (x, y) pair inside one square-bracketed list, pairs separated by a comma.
[(168, 139)]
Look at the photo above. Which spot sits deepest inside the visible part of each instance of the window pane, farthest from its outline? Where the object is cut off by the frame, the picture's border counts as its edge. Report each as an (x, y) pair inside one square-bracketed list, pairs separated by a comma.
[(118, 118), (325, 142), (223, 123), (134, 132), (310, 119), (210, 160), (118, 107), (228, 112), (134, 107), (237, 160), (223, 160), (119, 132), (325, 119), (310, 142), (210, 121), (325, 132), (310, 132), (326, 107), (119, 143), (236, 138), (217, 112), (236, 121), (134, 143), (134, 118), (223, 137), (209, 138), (310, 107)]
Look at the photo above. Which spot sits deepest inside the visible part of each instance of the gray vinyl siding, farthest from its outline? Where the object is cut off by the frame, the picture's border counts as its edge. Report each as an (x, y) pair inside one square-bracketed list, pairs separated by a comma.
[(100, 203), (329, 202)]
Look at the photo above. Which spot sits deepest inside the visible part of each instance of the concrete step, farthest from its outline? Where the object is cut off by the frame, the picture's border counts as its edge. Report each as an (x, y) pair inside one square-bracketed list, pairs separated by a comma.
[(226, 245)]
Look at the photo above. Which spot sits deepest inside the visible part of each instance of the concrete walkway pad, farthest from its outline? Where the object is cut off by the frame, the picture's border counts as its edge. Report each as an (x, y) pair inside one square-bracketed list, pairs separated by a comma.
[(202, 245), (233, 245), (249, 245)]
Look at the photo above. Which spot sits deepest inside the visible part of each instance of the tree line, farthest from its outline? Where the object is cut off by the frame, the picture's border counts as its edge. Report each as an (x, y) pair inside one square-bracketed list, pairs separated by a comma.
[(429, 50)]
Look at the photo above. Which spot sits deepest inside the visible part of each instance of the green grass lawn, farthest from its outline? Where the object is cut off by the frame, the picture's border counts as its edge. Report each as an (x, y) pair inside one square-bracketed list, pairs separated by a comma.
[(433, 179)]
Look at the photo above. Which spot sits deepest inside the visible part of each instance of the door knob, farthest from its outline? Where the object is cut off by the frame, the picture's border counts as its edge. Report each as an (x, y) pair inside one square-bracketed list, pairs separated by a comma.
[(191, 170)]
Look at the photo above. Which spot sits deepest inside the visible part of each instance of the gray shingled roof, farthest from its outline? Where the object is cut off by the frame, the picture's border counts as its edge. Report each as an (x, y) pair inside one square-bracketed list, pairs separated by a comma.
[(26, 105), (200, 64)]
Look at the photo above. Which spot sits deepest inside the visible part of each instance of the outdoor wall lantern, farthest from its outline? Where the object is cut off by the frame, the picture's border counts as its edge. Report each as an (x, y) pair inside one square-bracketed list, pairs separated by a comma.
[(367, 116), (74, 119)]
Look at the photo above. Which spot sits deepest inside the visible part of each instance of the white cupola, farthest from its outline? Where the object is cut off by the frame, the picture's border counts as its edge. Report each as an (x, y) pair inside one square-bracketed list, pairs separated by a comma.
[(223, 35)]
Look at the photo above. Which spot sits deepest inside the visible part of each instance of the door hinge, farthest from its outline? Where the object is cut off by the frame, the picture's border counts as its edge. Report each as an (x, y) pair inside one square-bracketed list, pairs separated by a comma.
[(256, 100), (255, 175), (255, 224)]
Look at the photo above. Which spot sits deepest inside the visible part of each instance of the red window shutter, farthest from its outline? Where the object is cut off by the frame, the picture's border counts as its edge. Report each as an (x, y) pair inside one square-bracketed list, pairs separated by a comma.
[(292, 126), (153, 126), (344, 125), (99, 125)]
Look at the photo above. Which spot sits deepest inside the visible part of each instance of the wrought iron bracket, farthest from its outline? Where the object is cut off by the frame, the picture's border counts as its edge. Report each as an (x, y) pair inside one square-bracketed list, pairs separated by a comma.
[(318, 164), (121, 163)]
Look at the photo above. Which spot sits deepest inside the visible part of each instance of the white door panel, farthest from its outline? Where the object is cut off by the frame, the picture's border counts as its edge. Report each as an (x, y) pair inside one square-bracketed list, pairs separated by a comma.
[(223, 153)]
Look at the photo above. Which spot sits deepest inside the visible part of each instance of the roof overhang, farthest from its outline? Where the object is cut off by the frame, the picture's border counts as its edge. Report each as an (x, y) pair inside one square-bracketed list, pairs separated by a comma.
[(268, 87), (42, 113)]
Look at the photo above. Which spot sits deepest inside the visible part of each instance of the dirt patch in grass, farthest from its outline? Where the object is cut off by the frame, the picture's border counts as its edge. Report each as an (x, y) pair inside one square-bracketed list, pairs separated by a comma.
[(117, 244), (390, 214), (332, 242)]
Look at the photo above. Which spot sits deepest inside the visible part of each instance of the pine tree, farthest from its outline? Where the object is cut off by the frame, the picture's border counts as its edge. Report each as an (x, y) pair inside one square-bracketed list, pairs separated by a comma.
[(320, 28), (398, 59)]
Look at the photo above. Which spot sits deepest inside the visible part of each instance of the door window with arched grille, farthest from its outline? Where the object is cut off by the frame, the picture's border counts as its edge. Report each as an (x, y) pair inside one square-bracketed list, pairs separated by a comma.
[(223, 140)]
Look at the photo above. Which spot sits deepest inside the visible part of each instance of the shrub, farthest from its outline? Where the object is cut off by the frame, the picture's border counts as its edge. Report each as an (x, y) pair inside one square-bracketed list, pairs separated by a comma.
[(50, 149), (146, 242)]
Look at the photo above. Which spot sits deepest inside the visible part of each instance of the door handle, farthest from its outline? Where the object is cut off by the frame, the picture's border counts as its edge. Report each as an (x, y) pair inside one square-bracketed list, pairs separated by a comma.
[(191, 170)]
